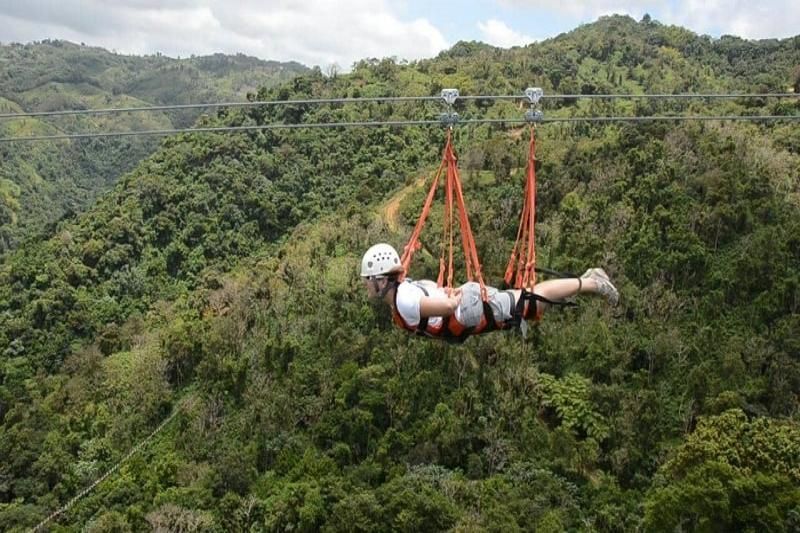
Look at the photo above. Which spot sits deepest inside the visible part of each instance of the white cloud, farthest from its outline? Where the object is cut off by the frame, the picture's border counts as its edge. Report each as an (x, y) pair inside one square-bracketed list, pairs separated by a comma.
[(588, 9), (314, 32), (497, 33), (323, 32), (750, 20)]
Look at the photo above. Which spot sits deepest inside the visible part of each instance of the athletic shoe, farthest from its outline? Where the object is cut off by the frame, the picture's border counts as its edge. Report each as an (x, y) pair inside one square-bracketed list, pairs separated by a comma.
[(604, 285)]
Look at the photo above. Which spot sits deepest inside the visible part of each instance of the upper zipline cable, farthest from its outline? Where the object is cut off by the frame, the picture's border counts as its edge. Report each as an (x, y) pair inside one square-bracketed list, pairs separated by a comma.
[(211, 105), (387, 99), (390, 123)]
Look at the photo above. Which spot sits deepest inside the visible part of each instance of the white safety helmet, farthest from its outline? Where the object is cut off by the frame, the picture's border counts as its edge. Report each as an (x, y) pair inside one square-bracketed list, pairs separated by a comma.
[(380, 260)]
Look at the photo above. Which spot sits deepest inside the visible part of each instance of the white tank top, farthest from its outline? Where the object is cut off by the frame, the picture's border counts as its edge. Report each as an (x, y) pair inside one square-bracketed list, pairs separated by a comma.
[(407, 300)]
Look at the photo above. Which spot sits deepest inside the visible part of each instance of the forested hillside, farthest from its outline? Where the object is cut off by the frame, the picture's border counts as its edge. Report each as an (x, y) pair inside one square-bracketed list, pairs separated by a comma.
[(218, 281), (44, 182)]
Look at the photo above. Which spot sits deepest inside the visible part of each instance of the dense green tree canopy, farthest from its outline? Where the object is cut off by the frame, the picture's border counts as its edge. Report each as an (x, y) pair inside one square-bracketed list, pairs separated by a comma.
[(219, 279)]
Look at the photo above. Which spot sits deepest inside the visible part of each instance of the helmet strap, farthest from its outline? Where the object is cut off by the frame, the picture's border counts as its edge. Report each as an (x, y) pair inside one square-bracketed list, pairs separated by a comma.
[(391, 283), (375, 288)]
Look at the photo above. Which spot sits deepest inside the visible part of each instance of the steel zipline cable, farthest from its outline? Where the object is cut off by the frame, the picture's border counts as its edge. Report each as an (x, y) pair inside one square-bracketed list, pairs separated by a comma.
[(398, 123), (390, 99), (64, 508)]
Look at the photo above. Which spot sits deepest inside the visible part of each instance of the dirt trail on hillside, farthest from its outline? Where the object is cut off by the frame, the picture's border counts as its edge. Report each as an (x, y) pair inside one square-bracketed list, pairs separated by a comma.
[(392, 207)]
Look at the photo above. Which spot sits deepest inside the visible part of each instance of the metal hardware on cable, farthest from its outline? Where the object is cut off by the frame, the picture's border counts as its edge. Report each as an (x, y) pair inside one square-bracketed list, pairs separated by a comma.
[(450, 96), (449, 117), (534, 114), (534, 94)]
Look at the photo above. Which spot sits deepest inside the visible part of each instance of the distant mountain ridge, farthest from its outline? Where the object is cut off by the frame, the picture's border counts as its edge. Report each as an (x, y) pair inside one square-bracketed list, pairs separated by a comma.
[(27, 67), (59, 75)]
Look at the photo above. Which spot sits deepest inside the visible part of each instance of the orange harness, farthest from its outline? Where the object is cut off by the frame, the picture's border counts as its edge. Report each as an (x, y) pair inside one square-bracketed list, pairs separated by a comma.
[(453, 195), (522, 263), (522, 260), (449, 329)]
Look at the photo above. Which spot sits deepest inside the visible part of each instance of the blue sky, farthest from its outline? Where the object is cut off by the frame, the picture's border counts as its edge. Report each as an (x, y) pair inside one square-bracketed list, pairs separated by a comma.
[(340, 32), (461, 21)]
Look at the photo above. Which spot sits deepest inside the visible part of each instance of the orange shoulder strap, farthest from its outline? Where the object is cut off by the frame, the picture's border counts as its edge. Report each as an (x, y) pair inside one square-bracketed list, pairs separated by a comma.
[(522, 263), (454, 199)]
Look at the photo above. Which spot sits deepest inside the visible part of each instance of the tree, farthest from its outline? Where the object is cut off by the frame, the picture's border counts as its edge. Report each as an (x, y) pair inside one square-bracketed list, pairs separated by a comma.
[(732, 474)]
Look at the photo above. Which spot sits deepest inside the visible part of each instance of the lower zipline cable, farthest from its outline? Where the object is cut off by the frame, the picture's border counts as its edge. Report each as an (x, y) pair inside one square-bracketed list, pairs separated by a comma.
[(311, 125), (64, 508)]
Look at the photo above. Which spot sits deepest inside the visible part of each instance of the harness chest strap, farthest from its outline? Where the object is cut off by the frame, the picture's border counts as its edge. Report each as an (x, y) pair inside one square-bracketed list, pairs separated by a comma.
[(450, 329), (422, 327)]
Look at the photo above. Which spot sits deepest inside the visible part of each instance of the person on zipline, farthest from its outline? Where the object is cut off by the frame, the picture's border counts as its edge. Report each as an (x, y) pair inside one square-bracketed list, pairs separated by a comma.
[(423, 307)]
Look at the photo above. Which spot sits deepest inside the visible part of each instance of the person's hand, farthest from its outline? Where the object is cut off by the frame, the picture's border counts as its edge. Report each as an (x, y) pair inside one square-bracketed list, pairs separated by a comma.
[(454, 299), (440, 305)]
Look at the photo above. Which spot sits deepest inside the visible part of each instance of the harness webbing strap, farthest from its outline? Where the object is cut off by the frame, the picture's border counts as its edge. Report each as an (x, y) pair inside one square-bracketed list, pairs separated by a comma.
[(521, 313), (422, 327), (414, 243), (454, 199), (488, 314), (522, 263)]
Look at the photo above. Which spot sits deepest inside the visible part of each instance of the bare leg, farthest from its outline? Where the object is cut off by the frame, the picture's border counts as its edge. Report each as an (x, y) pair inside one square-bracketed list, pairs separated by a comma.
[(558, 289)]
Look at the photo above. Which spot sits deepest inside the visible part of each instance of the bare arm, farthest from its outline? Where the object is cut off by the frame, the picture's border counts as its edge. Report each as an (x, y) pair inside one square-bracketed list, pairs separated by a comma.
[(439, 306)]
